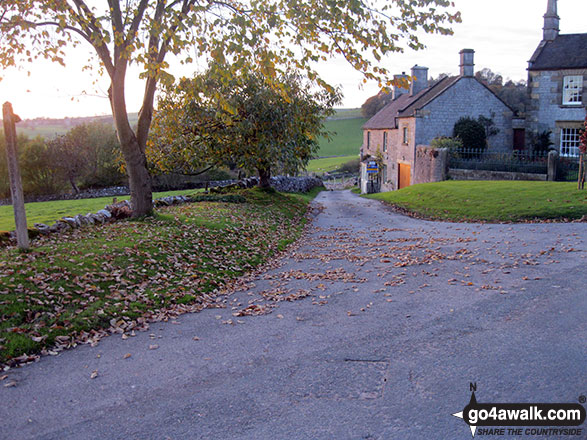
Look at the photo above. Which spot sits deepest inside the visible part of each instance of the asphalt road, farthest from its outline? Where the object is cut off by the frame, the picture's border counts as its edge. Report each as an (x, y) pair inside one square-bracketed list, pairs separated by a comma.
[(400, 316)]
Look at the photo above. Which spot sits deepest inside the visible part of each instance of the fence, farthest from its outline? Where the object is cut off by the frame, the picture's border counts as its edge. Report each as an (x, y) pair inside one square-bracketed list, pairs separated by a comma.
[(514, 161), (567, 169)]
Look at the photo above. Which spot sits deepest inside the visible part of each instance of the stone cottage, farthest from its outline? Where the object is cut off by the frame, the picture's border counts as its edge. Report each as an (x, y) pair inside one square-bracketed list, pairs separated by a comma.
[(557, 83), (422, 113)]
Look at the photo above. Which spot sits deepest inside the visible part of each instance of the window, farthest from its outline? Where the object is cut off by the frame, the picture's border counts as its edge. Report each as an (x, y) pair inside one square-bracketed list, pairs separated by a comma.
[(405, 135), (368, 139), (572, 90), (384, 141), (570, 142)]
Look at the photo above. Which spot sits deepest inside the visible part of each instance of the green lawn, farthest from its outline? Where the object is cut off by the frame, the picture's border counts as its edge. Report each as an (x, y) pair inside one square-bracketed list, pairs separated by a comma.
[(347, 139), (490, 201), (328, 163), (115, 275), (50, 212)]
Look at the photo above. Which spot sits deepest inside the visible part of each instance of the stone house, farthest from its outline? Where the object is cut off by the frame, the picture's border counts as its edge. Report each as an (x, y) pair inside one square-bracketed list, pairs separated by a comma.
[(424, 112), (557, 83)]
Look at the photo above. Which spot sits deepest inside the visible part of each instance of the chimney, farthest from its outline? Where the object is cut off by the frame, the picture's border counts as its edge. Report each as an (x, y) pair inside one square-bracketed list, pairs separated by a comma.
[(420, 79), (551, 22), (397, 91), (467, 62)]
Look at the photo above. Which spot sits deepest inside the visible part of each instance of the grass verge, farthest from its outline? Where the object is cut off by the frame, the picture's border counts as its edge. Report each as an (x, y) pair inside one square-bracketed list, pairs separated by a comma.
[(50, 212), (490, 201), (74, 285)]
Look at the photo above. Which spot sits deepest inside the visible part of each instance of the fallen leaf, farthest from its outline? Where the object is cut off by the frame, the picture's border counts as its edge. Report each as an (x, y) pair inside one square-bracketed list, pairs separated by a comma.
[(126, 356), (153, 347), (195, 338), (280, 316), (94, 374), (10, 384)]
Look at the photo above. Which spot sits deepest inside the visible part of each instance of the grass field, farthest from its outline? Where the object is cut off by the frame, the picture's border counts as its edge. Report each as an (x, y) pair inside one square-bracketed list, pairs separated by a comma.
[(347, 139), (50, 212), (319, 166), (115, 275), (500, 201)]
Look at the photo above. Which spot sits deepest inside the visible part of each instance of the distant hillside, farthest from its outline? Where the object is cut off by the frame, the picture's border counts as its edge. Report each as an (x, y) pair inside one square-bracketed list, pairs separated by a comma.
[(49, 127), (346, 124)]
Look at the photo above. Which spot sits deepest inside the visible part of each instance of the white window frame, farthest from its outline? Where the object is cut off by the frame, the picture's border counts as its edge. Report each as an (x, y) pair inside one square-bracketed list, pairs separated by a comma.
[(573, 90), (406, 135), (570, 141)]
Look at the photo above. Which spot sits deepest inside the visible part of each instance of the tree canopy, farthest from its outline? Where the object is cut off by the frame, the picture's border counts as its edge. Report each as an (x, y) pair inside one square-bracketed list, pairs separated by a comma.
[(274, 35), (247, 122)]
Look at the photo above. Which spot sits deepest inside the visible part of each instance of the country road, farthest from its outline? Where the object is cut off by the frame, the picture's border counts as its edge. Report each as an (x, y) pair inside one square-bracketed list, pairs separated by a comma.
[(372, 328)]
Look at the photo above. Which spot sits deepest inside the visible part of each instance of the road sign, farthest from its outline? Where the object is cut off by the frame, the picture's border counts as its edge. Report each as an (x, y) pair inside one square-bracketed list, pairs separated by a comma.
[(372, 168)]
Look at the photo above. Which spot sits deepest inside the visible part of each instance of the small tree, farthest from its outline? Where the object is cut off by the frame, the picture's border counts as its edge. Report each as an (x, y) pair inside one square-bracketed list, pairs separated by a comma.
[(582, 152), (471, 133), (541, 142), (247, 121)]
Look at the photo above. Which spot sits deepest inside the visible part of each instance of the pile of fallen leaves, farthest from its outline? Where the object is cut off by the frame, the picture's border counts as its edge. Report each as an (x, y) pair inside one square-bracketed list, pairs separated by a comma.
[(79, 286)]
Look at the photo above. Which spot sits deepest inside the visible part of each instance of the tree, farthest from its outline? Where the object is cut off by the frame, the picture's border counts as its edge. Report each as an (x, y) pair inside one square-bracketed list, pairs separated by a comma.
[(514, 94), (582, 152), (471, 132), (247, 122), (270, 33), (375, 103), (70, 157)]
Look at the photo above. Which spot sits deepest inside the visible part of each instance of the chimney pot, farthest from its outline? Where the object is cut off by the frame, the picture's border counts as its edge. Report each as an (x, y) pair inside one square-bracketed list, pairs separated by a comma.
[(467, 62), (420, 79)]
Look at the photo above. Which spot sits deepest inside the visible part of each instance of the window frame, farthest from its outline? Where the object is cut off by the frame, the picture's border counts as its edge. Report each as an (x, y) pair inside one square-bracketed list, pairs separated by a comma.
[(406, 135), (384, 141), (569, 142), (368, 139), (573, 90)]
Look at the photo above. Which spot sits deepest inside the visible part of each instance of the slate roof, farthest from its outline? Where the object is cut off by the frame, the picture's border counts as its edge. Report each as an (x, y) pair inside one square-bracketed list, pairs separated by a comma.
[(565, 52), (406, 105)]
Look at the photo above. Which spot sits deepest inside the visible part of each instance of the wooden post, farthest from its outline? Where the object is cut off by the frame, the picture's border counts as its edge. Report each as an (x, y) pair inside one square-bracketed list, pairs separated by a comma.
[(10, 120)]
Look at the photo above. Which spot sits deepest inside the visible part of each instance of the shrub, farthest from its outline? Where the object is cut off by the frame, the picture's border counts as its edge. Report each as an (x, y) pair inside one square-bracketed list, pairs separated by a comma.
[(352, 166), (471, 132), (447, 142)]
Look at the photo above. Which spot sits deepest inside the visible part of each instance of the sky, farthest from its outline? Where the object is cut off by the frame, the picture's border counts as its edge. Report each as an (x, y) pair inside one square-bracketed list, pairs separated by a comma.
[(503, 33)]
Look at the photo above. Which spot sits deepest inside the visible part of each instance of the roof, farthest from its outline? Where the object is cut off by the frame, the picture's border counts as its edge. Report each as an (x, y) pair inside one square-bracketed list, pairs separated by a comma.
[(564, 52), (405, 105)]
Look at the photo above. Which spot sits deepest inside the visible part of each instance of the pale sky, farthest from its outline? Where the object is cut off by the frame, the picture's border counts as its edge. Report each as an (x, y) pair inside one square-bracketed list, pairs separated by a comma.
[(503, 33)]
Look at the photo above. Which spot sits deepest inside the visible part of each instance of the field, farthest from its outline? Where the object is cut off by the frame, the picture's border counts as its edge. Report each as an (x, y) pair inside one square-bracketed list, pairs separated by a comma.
[(495, 201), (347, 139), (49, 212), (328, 164), (72, 285)]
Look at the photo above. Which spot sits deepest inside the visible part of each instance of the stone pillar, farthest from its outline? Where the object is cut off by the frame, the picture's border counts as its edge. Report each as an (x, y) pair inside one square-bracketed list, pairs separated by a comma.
[(552, 165), (431, 164)]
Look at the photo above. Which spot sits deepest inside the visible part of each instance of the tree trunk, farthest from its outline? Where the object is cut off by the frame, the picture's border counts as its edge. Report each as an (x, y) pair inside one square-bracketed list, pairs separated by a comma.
[(139, 179), (264, 177), (73, 185)]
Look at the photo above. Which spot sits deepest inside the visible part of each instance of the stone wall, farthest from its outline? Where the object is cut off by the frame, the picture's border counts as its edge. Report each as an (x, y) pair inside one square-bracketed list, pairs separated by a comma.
[(467, 97), (460, 174), (546, 110), (431, 164)]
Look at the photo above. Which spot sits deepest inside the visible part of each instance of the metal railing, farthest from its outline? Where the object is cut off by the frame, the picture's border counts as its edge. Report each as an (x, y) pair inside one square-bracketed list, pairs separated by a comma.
[(513, 161)]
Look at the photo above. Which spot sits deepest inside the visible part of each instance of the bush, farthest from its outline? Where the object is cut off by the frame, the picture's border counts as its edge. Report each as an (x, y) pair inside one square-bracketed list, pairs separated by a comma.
[(471, 132), (447, 142), (352, 166)]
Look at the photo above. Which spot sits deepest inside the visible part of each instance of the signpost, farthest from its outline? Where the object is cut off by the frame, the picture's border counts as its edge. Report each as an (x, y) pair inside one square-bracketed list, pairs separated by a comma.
[(10, 120), (372, 168)]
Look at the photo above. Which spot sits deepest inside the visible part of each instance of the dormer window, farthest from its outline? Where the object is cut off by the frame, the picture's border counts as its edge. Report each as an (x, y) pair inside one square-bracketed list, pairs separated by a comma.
[(573, 90)]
